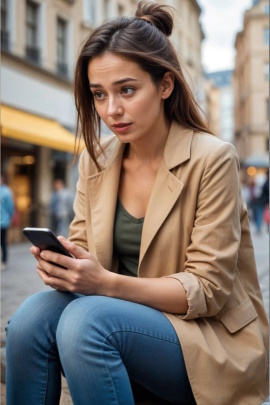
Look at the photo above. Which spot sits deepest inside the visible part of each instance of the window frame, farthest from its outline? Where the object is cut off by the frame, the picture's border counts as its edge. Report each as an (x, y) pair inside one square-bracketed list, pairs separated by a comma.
[(61, 46), (32, 31)]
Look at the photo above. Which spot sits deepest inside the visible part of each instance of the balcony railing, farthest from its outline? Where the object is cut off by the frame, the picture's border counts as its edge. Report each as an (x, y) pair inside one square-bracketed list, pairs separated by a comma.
[(33, 54), (5, 40), (62, 69)]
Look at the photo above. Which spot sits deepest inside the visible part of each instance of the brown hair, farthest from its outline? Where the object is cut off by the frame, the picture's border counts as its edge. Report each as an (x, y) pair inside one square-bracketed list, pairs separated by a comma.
[(144, 40)]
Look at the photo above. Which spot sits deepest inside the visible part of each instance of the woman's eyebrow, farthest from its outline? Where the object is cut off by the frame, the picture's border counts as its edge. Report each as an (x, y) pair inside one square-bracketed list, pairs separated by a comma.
[(121, 81)]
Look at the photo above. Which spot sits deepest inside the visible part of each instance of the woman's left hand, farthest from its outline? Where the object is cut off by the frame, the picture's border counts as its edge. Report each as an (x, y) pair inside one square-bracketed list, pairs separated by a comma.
[(83, 273)]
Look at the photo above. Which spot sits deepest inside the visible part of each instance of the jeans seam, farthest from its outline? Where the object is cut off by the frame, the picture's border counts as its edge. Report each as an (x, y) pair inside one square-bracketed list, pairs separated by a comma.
[(130, 331), (142, 333), (47, 370), (107, 368)]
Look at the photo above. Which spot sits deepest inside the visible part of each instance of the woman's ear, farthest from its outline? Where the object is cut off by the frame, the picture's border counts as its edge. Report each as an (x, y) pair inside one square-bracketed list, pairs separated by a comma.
[(167, 85)]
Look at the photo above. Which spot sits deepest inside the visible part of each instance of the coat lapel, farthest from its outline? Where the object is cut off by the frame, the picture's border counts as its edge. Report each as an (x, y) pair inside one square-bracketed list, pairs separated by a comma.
[(102, 192), (167, 187)]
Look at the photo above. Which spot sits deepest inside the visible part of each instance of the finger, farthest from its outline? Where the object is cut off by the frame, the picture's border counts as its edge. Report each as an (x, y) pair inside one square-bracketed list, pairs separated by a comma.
[(74, 249), (35, 251), (53, 282), (57, 258), (52, 269)]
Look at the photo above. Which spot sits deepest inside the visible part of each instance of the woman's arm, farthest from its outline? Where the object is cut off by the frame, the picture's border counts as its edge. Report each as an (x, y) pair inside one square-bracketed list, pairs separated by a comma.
[(164, 294), (85, 275)]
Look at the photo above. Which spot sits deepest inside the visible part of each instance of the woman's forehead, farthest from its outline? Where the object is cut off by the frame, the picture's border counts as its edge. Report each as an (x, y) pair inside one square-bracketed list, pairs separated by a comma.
[(113, 67)]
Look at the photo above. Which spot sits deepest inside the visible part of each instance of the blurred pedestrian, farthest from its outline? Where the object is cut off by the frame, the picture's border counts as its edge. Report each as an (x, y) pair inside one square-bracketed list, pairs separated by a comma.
[(7, 209), (61, 208), (162, 288), (258, 200), (265, 199)]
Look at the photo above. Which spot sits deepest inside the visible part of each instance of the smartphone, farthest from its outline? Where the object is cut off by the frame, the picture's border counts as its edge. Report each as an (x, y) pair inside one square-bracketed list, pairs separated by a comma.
[(45, 239)]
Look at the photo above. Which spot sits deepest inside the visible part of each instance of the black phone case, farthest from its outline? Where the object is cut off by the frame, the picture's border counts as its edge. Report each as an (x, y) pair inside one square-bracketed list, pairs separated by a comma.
[(45, 239)]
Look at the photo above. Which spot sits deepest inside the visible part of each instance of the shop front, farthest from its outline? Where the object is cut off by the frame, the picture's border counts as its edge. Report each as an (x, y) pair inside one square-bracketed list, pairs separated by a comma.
[(34, 150)]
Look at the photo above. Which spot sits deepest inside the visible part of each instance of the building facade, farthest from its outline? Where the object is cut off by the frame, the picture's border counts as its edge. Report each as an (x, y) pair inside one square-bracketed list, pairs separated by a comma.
[(220, 109), (251, 87), (187, 39), (40, 40)]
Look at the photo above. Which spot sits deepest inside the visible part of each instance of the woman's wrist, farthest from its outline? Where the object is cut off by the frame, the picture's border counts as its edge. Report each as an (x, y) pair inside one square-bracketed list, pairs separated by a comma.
[(107, 284)]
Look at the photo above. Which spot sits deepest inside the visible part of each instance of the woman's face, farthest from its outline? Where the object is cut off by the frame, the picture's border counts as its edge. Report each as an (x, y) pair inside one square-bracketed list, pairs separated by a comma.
[(126, 98)]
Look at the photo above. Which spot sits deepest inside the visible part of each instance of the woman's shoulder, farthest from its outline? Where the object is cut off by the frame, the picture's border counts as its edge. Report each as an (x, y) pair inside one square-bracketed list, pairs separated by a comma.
[(200, 143), (205, 140), (205, 145)]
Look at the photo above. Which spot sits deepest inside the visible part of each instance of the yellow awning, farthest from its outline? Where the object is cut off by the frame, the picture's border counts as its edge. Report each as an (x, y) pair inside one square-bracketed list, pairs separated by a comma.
[(29, 128)]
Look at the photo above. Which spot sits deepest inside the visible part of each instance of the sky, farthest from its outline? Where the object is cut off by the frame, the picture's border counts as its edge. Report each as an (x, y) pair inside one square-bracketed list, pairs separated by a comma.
[(221, 20)]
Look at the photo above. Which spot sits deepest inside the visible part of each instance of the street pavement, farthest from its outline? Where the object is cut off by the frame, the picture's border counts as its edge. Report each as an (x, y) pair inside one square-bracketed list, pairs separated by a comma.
[(20, 279)]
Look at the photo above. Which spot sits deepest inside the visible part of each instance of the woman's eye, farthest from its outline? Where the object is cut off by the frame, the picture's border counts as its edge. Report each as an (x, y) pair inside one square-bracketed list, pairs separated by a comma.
[(98, 95), (127, 91)]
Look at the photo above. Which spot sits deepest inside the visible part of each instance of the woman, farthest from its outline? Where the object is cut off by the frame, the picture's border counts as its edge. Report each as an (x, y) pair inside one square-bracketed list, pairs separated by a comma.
[(162, 290)]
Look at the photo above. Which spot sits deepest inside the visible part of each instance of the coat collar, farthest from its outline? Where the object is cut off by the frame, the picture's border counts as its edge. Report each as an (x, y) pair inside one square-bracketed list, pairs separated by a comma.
[(178, 146), (103, 190)]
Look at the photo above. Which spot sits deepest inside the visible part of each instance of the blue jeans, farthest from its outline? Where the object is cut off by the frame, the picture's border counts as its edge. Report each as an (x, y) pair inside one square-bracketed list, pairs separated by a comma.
[(100, 343)]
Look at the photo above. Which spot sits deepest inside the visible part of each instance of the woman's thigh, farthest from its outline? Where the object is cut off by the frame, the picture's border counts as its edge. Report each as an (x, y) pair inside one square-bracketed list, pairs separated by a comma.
[(36, 320), (33, 366), (146, 341)]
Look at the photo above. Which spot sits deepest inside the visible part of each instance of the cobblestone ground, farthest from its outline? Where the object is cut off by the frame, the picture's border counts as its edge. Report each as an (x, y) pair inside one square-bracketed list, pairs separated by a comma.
[(19, 280)]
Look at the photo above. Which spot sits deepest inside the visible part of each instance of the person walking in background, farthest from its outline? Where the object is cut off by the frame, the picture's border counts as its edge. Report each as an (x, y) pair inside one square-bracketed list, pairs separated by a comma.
[(265, 200), (61, 208), (7, 209), (258, 200)]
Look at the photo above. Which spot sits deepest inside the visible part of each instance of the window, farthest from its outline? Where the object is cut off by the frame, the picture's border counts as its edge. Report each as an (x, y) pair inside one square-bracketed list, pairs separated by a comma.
[(266, 71), (62, 47), (266, 36), (4, 25), (89, 11), (32, 50)]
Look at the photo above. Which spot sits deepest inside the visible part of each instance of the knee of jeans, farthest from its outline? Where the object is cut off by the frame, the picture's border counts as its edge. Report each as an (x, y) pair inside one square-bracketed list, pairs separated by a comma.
[(29, 321), (23, 322), (86, 320)]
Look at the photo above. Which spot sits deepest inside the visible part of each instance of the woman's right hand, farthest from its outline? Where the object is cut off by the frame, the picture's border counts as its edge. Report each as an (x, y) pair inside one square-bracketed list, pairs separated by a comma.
[(35, 251)]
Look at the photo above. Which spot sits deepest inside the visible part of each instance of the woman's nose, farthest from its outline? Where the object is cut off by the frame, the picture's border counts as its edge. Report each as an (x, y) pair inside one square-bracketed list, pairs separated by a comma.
[(114, 107)]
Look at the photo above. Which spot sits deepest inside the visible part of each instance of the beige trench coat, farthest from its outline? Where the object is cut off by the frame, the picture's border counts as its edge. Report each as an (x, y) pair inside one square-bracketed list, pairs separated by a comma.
[(196, 230)]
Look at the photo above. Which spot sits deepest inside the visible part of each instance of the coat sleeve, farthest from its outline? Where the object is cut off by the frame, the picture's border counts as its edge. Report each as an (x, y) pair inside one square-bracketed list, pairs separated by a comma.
[(77, 229), (211, 257)]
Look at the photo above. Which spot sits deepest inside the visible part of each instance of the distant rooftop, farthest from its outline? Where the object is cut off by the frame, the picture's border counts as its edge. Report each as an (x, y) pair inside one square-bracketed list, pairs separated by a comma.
[(222, 78)]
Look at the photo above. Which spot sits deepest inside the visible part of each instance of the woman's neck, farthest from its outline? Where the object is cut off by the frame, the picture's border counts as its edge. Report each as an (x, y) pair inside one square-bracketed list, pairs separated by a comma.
[(149, 148)]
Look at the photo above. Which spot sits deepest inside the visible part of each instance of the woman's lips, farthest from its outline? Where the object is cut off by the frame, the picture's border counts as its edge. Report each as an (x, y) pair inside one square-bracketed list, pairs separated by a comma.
[(121, 127)]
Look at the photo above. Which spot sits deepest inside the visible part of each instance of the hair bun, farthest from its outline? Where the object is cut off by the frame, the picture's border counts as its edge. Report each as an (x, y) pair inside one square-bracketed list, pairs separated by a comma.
[(158, 15)]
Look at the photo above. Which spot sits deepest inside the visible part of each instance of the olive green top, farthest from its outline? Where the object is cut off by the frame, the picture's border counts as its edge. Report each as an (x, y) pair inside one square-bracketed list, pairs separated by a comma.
[(127, 240)]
